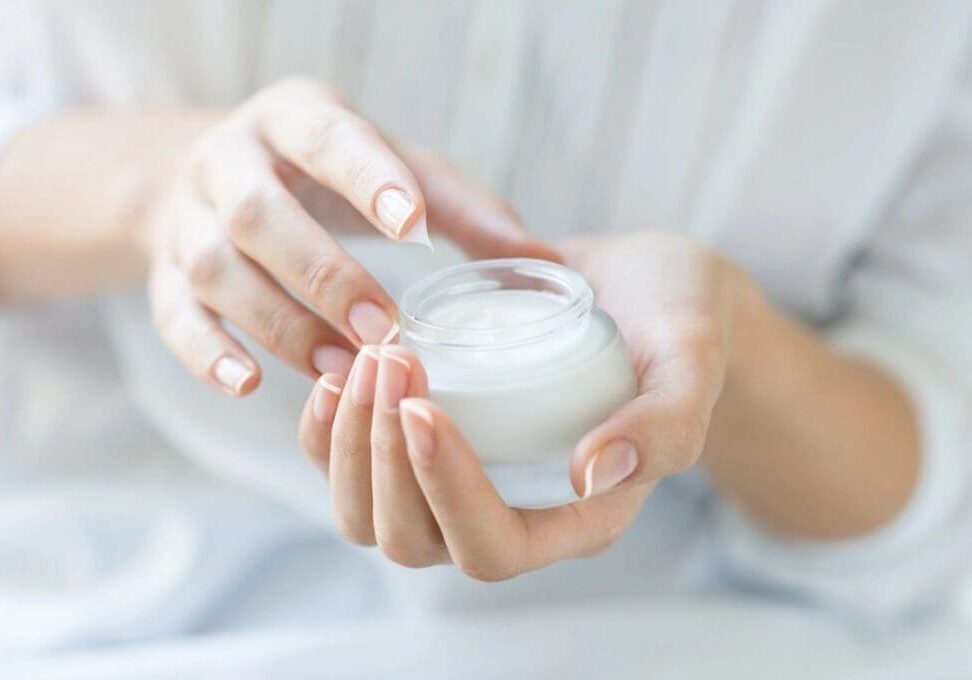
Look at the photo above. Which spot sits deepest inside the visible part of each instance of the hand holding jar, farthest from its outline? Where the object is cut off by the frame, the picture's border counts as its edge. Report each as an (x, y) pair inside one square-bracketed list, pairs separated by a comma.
[(404, 475)]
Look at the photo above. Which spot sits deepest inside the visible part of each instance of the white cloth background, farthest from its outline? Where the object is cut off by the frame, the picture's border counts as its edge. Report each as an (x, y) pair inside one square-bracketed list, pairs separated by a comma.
[(825, 146)]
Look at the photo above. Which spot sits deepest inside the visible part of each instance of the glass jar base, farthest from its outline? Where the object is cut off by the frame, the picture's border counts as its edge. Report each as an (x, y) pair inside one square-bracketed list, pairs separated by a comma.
[(533, 485)]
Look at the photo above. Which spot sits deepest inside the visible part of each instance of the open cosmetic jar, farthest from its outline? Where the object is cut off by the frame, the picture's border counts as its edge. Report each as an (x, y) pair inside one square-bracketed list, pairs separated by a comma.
[(524, 362)]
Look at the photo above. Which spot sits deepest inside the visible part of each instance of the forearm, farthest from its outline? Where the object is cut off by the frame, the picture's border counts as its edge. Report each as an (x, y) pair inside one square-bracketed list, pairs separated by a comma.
[(73, 193), (812, 443)]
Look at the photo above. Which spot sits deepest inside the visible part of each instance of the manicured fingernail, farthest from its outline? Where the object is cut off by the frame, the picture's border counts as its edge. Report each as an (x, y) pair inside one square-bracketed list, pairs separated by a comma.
[(372, 323), (394, 207), (418, 426), (393, 374), (363, 376), (332, 359), (327, 391), (610, 466), (232, 373)]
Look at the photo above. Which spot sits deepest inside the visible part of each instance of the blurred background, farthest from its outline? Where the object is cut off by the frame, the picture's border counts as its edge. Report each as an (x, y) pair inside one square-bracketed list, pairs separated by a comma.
[(149, 522)]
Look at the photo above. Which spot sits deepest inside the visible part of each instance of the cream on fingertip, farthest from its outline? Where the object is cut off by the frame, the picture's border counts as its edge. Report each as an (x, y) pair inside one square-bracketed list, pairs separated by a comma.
[(418, 233)]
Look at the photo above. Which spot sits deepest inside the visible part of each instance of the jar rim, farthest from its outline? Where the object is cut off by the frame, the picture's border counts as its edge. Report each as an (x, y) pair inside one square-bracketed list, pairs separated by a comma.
[(488, 275)]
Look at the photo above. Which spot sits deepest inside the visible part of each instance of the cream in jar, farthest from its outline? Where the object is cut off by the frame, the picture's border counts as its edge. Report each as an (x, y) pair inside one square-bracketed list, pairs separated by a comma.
[(523, 361)]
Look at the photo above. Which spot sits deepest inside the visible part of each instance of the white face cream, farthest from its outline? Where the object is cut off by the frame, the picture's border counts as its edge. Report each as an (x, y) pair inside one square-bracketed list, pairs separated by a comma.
[(523, 361)]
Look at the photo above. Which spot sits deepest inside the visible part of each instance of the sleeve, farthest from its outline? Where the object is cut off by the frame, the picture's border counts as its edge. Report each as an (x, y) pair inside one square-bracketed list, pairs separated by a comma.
[(909, 312)]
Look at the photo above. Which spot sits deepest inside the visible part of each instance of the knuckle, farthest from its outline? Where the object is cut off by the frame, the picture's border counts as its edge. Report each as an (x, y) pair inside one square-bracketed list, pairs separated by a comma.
[(320, 137), (485, 570), (328, 137), (324, 277), (247, 213), (281, 325), (362, 176), (328, 133), (207, 266), (404, 552), (356, 532)]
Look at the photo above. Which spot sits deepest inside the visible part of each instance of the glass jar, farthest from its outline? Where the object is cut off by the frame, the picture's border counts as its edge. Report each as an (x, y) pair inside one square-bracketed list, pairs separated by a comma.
[(524, 362)]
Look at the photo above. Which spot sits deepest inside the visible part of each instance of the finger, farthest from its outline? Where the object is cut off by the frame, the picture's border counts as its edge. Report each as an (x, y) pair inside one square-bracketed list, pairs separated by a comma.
[(350, 453), (584, 528), (317, 418), (659, 433), (485, 538), (230, 284), (268, 224), (314, 130), (195, 336), (481, 224), (405, 528)]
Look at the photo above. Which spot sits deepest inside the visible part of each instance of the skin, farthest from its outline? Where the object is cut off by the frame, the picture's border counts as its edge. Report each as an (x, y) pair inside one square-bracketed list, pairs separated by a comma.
[(203, 206), (813, 444)]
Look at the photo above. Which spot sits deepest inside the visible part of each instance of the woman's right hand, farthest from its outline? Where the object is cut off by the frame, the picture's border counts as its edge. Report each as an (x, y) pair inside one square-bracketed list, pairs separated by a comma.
[(229, 240)]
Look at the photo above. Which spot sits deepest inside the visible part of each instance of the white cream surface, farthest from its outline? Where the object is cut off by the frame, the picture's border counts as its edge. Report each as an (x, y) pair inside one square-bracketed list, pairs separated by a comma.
[(495, 309), (504, 344)]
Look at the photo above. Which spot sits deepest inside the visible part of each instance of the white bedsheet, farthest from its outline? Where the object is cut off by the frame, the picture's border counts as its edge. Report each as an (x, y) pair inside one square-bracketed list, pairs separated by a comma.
[(699, 638)]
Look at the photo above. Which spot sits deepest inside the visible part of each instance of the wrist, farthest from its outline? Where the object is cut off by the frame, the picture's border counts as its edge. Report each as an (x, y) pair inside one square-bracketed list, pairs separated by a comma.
[(751, 316), (155, 175)]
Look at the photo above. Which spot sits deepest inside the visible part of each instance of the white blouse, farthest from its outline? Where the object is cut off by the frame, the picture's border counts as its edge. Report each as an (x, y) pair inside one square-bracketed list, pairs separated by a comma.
[(825, 146)]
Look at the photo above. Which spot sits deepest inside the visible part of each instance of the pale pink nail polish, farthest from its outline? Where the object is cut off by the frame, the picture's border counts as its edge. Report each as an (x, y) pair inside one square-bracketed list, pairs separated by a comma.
[(372, 323), (231, 373), (418, 426), (327, 392), (609, 467), (363, 376), (393, 375), (394, 207), (332, 359)]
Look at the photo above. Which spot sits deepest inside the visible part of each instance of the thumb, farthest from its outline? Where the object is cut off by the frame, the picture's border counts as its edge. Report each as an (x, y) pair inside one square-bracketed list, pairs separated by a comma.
[(483, 225), (651, 437)]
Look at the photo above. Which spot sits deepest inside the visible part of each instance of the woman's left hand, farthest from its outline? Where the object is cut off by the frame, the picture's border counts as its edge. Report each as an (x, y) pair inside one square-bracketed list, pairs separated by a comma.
[(403, 477)]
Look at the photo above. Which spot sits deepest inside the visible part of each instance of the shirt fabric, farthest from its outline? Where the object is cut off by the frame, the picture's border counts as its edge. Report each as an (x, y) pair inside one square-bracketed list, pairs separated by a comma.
[(824, 146)]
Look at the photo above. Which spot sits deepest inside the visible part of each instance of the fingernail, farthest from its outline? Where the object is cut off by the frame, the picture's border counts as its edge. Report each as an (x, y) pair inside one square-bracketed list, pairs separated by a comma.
[(363, 376), (231, 373), (394, 207), (393, 374), (372, 323), (610, 466), (332, 359), (417, 425), (418, 233), (327, 392)]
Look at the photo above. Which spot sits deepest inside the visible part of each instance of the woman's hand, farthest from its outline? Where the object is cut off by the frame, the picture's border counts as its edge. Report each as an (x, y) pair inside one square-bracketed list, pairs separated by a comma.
[(678, 305), (402, 477), (229, 240)]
